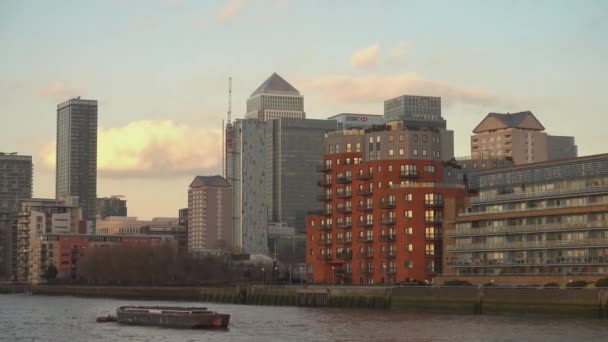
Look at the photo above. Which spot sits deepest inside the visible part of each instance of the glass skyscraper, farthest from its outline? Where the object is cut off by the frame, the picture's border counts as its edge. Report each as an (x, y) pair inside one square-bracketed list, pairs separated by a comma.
[(76, 167)]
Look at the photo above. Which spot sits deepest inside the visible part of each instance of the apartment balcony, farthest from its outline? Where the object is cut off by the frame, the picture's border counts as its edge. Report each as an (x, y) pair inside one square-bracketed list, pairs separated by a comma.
[(344, 241), (324, 183), (324, 197), (529, 195), (323, 168), (367, 270), (408, 174), (364, 192), (364, 176), (432, 237), (366, 239), (387, 205), (391, 271), (325, 257), (327, 212), (345, 255), (528, 228), (344, 195), (365, 207), (389, 221), (433, 220), (388, 237), (324, 227), (366, 224), (533, 262), (523, 245), (344, 210), (433, 204), (344, 225), (344, 180), (389, 254), (324, 242)]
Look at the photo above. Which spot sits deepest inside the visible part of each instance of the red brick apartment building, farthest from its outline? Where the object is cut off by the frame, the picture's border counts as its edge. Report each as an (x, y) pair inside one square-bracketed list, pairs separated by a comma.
[(383, 207)]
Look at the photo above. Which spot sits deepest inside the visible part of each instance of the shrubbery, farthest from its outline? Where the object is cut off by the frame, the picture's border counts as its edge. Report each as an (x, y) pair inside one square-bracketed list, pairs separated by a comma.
[(457, 282), (553, 284), (602, 282), (578, 284)]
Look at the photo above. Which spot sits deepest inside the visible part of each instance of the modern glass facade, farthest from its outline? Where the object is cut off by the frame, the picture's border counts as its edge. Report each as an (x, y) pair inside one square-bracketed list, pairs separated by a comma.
[(76, 166)]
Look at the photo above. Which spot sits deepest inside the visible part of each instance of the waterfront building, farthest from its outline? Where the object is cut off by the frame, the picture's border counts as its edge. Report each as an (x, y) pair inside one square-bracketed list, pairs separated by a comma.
[(15, 185), (532, 224), (346, 121), (421, 112), (382, 195), (76, 158), (519, 136), (274, 99), (126, 225), (209, 215), (65, 250), (43, 216), (111, 206)]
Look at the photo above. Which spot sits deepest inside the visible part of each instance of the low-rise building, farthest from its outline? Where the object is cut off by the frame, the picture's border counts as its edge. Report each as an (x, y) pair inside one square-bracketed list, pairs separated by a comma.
[(114, 205), (165, 226), (532, 224)]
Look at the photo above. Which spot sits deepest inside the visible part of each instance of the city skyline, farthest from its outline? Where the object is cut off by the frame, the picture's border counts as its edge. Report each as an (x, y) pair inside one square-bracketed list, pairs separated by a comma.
[(159, 93)]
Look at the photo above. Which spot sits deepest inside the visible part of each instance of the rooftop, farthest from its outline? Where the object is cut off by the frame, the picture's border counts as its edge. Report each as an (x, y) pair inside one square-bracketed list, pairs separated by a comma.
[(523, 119), (275, 84), (215, 181)]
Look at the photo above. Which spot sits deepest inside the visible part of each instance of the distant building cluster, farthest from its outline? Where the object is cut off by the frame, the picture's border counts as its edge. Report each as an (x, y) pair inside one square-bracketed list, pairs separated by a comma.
[(357, 198)]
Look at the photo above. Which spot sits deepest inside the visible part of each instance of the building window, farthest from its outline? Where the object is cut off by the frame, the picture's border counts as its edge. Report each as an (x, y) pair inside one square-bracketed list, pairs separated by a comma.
[(390, 138), (408, 197), (430, 249), (358, 147), (424, 151), (391, 152), (415, 152), (407, 213), (409, 264), (400, 137), (400, 151), (390, 168), (429, 168), (337, 148), (408, 230), (409, 247), (415, 138), (348, 147), (424, 138)]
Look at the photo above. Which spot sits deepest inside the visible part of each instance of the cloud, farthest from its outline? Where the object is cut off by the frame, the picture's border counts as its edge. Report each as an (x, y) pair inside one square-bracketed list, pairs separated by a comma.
[(60, 90), (399, 51), (365, 57), (230, 9), (152, 148), (345, 89)]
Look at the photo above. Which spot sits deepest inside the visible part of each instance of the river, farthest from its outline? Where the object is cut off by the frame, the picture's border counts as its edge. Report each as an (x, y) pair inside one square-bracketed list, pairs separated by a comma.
[(42, 318)]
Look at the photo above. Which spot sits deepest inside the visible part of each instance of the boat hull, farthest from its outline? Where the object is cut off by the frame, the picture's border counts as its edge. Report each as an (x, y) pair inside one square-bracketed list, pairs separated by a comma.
[(209, 320)]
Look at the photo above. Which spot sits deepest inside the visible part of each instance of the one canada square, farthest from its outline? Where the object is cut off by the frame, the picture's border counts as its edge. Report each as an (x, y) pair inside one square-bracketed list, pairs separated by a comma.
[(76, 168)]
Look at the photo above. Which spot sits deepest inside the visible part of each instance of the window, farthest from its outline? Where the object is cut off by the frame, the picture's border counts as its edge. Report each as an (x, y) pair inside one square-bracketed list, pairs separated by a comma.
[(415, 152), (409, 247), (415, 138), (391, 138), (424, 151), (391, 152), (400, 151), (408, 230), (429, 168), (390, 168), (400, 137), (348, 147), (430, 249), (337, 148), (424, 138), (379, 168), (408, 197), (407, 213), (358, 147), (409, 264)]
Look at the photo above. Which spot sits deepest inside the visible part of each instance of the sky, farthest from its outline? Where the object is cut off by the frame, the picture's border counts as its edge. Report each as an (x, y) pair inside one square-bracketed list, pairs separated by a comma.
[(160, 68)]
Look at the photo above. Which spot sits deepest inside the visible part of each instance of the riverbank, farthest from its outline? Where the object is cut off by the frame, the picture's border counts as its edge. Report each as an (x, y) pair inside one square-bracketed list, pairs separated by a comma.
[(588, 302)]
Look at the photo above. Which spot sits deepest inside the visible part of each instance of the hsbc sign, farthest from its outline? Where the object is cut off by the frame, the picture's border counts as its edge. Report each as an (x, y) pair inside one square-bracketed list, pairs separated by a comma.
[(356, 118)]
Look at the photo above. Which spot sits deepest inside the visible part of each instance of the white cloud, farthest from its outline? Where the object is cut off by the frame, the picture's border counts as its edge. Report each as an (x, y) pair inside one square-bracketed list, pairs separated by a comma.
[(399, 51), (152, 148), (61, 91), (230, 9), (365, 57)]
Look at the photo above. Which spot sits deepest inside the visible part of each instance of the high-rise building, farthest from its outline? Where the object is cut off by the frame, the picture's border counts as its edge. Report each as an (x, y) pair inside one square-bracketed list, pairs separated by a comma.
[(111, 206), (76, 167), (43, 216), (250, 204), (421, 112), (293, 149), (356, 120), (532, 224), (209, 215), (15, 186), (381, 219), (274, 99), (519, 136)]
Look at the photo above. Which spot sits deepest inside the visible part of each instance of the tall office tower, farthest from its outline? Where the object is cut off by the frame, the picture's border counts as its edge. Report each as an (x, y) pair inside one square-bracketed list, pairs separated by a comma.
[(421, 112), (76, 167), (275, 98), (111, 206), (15, 185), (209, 215), (519, 136), (293, 149), (250, 205)]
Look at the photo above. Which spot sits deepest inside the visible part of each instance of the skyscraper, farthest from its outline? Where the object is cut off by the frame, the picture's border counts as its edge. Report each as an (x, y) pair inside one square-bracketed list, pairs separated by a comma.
[(275, 98), (111, 206), (76, 167)]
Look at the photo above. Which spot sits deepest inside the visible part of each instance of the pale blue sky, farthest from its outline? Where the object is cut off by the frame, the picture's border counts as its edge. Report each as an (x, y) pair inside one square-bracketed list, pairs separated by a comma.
[(170, 60)]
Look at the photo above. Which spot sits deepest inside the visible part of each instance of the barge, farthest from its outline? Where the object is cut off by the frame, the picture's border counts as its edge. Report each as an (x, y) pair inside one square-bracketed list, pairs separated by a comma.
[(172, 317)]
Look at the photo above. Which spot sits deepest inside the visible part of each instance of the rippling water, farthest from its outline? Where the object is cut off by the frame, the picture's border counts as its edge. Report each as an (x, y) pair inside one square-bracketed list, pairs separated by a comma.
[(41, 318)]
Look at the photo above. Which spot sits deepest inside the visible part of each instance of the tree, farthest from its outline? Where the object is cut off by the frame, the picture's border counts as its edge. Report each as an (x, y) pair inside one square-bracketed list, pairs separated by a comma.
[(51, 272)]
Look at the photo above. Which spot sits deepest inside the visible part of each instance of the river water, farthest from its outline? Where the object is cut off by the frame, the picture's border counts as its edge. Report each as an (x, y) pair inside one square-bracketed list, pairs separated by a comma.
[(41, 318)]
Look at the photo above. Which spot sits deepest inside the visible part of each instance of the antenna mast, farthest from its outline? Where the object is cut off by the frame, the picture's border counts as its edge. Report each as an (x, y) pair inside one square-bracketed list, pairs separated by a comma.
[(229, 99)]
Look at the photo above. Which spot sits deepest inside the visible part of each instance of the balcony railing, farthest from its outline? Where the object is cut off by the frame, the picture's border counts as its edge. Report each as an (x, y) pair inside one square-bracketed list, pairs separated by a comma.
[(365, 207), (324, 242), (538, 194), (528, 228), (433, 220), (324, 197), (364, 192), (344, 180), (344, 225), (345, 255), (324, 257), (323, 168), (388, 237), (344, 194), (391, 271), (387, 205), (408, 174), (366, 224), (324, 226), (366, 239), (367, 270), (344, 240), (366, 255), (570, 261), (433, 204), (327, 212), (389, 254), (519, 245), (344, 210), (324, 183), (364, 176), (389, 221)]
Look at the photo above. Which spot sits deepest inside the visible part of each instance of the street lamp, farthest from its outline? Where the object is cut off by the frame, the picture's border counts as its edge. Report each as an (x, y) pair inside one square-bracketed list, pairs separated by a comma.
[(263, 276), (333, 275), (276, 275), (385, 274)]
